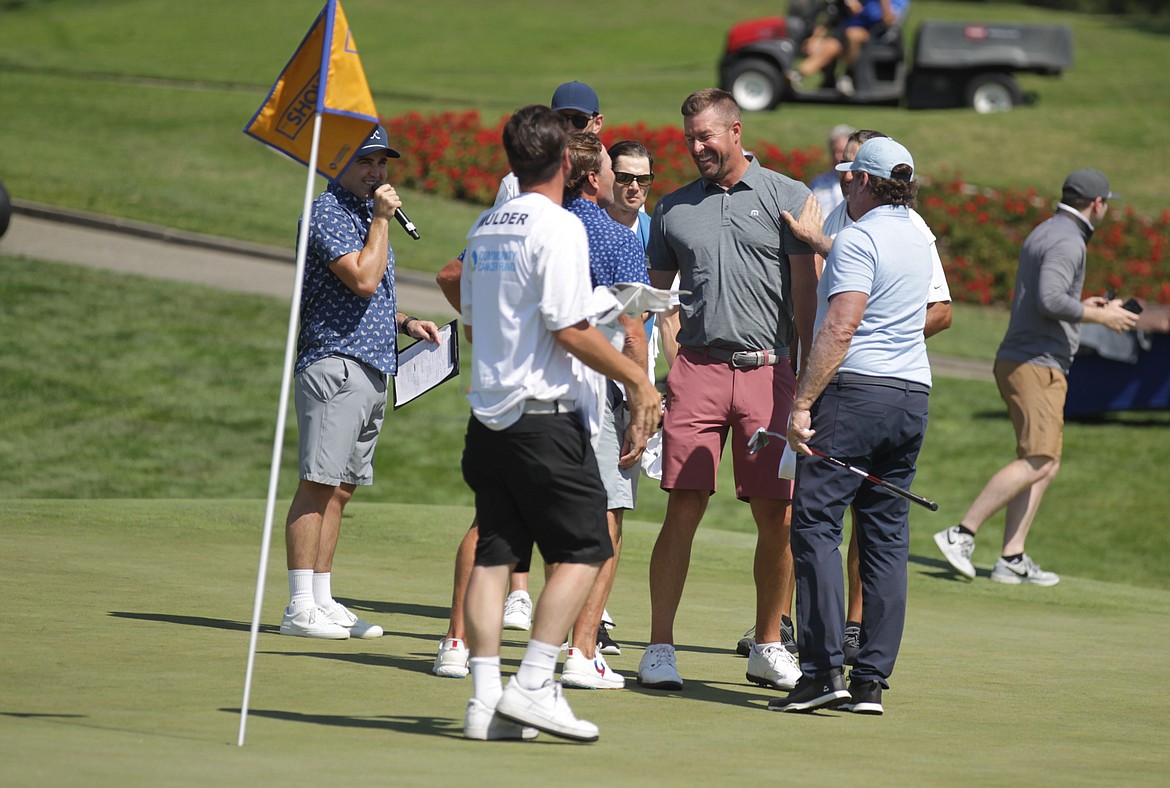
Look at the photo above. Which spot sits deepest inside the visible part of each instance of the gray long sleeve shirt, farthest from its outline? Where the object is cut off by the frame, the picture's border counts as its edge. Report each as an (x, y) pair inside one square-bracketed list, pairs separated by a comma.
[(1047, 310)]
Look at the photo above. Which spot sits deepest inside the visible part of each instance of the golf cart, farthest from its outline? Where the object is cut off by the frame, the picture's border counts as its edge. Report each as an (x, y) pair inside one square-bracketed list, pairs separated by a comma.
[(955, 64)]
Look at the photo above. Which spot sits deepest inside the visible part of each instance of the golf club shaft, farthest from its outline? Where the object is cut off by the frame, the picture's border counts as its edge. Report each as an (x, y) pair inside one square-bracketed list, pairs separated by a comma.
[(895, 489)]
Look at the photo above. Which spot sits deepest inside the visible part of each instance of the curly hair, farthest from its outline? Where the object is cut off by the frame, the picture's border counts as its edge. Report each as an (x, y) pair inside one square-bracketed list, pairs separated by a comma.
[(896, 190)]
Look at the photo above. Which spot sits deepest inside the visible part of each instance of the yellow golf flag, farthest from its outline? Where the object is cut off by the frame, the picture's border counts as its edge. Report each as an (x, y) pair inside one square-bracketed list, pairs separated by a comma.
[(325, 76)]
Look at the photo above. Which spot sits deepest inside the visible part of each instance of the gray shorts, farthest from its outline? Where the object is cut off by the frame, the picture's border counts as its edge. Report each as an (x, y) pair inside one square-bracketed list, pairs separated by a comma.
[(621, 484), (340, 406)]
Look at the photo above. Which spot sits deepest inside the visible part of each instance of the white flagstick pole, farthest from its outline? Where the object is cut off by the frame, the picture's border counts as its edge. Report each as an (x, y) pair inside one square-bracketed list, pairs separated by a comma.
[(294, 316)]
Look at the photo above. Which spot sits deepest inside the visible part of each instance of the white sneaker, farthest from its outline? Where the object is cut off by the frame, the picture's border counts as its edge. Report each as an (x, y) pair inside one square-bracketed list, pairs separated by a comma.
[(657, 669), (451, 661), (1024, 571), (772, 665), (544, 709), (311, 622), (957, 547), (584, 673), (518, 611), (845, 85), (607, 619), (482, 724), (339, 614)]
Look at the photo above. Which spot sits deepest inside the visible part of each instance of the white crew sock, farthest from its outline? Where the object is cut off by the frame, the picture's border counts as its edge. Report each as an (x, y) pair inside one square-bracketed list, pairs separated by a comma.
[(322, 591), (300, 588), (485, 680), (539, 664)]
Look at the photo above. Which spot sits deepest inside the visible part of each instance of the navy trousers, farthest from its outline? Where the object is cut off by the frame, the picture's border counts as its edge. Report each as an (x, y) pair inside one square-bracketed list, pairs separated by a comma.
[(878, 428)]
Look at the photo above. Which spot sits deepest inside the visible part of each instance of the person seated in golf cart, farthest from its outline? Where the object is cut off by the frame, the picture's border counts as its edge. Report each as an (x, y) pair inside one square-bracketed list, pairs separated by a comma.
[(868, 19)]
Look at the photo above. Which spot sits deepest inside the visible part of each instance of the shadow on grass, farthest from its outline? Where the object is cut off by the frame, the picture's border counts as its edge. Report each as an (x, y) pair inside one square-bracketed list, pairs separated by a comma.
[(729, 694), (423, 726), (941, 570), (444, 727), (196, 621), (372, 606), (30, 715)]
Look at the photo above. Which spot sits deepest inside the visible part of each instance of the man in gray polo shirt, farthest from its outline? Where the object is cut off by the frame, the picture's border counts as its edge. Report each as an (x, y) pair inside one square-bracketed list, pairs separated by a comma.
[(752, 288), (1030, 369)]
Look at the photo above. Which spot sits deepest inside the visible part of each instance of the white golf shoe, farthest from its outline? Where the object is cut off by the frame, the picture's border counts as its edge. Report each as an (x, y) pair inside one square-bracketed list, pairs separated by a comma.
[(581, 672), (340, 614), (311, 622), (545, 709), (452, 660), (482, 724), (657, 669), (772, 665)]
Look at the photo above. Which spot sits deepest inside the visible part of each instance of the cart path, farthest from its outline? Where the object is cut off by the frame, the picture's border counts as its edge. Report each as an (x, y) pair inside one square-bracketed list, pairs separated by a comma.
[(46, 232)]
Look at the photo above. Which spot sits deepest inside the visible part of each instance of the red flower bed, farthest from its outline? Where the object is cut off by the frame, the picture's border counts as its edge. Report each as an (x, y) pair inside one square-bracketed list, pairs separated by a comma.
[(454, 155)]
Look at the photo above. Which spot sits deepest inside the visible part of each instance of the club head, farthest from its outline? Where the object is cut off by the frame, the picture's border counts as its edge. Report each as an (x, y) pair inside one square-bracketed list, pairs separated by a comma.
[(761, 438)]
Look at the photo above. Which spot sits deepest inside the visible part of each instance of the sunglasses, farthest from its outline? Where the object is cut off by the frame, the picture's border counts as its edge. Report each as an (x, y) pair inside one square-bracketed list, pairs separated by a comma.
[(580, 121), (625, 178)]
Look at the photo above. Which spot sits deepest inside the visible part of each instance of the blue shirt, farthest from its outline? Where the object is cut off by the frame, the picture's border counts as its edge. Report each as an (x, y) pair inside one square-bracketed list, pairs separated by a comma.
[(885, 257), (615, 254), (335, 321)]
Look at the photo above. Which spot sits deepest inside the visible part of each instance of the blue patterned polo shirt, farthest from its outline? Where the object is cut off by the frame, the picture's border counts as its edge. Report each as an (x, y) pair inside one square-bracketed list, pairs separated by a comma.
[(335, 321), (615, 254)]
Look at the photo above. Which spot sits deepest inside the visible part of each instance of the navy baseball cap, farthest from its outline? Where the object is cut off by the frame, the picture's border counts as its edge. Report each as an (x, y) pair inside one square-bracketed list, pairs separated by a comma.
[(578, 96), (377, 141)]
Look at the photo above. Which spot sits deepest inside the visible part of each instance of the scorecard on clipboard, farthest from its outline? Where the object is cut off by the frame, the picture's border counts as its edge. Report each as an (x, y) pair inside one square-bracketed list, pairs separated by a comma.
[(423, 365)]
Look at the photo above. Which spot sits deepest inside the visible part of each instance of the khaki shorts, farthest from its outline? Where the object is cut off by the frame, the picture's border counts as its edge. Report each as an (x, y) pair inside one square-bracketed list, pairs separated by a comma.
[(1035, 398)]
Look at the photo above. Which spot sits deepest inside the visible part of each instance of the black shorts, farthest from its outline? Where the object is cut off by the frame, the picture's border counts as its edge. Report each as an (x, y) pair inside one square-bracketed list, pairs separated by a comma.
[(536, 481)]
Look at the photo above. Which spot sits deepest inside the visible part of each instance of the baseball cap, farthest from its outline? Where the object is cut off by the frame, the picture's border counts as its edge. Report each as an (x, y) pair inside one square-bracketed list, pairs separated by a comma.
[(578, 96), (378, 140), (1087, 185), (879, 156)]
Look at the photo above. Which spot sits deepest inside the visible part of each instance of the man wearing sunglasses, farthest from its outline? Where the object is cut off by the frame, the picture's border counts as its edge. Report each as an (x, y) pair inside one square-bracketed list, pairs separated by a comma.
[(575, 101)]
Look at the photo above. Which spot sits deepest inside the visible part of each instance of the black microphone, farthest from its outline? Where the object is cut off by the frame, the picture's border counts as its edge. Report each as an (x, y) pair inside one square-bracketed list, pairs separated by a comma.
[(406, 223), (402, 218)]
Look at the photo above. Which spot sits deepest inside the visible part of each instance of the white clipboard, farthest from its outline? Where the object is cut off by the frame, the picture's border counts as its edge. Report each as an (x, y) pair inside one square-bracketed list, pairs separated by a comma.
[(424, 365)]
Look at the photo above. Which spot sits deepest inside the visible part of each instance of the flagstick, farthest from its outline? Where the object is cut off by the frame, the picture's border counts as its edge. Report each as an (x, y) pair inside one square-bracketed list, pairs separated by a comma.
[(294, 316)]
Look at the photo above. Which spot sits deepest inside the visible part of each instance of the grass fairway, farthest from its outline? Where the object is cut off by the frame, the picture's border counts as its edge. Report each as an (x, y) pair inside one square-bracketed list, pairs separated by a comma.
[(128, 635)]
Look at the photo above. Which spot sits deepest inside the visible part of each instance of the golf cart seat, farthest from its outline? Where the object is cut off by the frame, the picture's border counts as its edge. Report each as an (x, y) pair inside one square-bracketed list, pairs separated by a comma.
[(882, 63)]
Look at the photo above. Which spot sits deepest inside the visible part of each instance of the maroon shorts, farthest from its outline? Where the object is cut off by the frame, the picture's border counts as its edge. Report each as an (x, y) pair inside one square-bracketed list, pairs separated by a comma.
[(705, 399)]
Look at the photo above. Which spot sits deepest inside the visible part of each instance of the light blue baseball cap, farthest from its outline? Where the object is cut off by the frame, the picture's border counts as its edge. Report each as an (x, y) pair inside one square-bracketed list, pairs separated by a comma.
[(879, 156)]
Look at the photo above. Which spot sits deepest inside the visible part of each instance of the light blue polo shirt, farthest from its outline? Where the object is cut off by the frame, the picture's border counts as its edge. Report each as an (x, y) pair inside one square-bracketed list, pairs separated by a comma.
[(885, 257)]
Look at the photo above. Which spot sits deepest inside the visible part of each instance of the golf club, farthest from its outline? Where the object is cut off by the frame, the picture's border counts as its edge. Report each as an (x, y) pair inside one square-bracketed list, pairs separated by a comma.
[(761, 438)]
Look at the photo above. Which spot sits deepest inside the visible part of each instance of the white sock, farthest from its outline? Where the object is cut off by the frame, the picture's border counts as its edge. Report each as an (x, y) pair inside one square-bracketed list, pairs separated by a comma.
[(322, 592), (539, 664), (300, 588), (485, 680)]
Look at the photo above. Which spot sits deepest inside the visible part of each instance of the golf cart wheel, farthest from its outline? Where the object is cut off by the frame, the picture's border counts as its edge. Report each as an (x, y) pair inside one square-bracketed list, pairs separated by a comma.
[(993, 93), (755, 84)]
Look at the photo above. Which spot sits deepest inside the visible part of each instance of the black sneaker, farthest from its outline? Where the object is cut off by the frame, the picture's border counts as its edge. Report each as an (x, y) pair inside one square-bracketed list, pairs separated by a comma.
[(788, 635), (865, 697), (852, 642), (745, 644), (606, 644), (823, 691)]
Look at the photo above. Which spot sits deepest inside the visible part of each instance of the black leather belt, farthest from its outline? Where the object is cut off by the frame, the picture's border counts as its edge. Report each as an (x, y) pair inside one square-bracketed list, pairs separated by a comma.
[(856, 379)]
